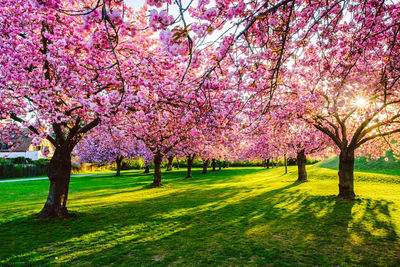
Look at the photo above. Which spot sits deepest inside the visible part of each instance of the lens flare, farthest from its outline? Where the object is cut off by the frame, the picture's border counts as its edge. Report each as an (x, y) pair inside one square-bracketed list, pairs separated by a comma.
[(361, 102)]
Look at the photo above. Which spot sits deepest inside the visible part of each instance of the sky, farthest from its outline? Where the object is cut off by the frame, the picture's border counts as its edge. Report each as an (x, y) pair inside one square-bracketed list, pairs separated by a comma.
[(173, 10), (135, 4)]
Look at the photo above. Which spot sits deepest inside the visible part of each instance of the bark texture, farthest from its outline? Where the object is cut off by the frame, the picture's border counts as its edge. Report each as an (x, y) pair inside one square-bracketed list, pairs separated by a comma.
[(301, 166), (147, 168), (119, 163), (157, 170), (346, 174), (205, 165), (189, 165), (267, 163), (285, 159), (169, 165), (58, 171), (213, 164)]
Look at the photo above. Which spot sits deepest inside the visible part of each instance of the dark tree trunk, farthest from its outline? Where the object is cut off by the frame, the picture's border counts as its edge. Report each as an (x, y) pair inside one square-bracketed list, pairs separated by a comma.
[(205, 165), (157, 170), (224, 164), (147, 168), (213, 163), (58, 171), (169, 165), (219, 164), (301, 166), (346, 174), (189, 165), (118, 161), (285, 161), (267, 163)]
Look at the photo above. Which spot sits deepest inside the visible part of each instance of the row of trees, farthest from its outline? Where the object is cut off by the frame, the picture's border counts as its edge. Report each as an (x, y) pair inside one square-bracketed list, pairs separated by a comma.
[(227, 79)]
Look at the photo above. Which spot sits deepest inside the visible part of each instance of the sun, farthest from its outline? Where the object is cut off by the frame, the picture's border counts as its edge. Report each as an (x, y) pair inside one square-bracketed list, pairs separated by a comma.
[(361, 102)]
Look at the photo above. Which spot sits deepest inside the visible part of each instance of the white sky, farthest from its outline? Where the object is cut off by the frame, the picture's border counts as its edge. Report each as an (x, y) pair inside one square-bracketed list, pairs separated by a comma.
[(135, 4)]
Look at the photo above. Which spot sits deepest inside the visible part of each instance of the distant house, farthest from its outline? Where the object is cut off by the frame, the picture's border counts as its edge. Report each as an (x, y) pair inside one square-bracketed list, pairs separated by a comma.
[(22, 147)]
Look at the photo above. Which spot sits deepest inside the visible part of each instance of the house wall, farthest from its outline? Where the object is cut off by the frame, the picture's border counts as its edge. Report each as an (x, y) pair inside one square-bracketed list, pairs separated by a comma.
[(34, 155), (44, 143)]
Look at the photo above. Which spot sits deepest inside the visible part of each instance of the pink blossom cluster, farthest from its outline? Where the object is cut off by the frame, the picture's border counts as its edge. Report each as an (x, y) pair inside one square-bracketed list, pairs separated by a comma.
[(170, 45), (160, 20)]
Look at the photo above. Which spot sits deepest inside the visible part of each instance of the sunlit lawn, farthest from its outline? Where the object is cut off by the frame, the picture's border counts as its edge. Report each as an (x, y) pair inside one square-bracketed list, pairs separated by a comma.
[(238, 216)]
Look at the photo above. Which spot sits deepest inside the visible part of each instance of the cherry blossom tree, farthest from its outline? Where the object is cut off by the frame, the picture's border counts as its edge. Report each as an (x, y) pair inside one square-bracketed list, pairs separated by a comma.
[(349, 79), (61, 73), (108, 144)]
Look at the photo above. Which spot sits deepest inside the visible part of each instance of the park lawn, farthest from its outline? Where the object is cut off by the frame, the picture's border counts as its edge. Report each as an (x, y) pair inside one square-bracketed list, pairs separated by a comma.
[(236, 216), (385, 165)]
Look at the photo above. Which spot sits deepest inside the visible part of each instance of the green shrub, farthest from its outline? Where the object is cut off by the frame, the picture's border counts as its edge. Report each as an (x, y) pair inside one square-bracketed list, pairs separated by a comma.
[(22, 160), (131, 163), (42, 162)]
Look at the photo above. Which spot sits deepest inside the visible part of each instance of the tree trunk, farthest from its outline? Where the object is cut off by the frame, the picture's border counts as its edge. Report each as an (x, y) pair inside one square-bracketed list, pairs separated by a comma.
[(58, 171), (267, 163), (147, 168), (118, 161), (346, 174), (189, 166), (285, 159), (157, 170), (205, 165), (219, 165), (224, 164), (213, 163), (301, 166), (169, 165), (177, 163)]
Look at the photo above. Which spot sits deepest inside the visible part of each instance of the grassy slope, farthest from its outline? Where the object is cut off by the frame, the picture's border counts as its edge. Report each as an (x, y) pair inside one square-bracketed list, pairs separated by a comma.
[(237, 216), (388, 166)]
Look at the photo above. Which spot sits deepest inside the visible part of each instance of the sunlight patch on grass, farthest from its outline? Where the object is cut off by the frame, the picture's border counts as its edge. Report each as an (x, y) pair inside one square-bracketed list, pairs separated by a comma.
[(238, 216)]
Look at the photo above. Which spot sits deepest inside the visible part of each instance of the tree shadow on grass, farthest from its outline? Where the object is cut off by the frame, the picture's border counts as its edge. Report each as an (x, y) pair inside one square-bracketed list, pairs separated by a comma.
[(212, 177), (218, 226), (36, 241)]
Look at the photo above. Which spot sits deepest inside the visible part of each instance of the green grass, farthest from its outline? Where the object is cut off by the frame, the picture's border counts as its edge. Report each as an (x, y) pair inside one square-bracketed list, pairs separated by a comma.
[(111, 171), (385, 165), (235, 217)]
